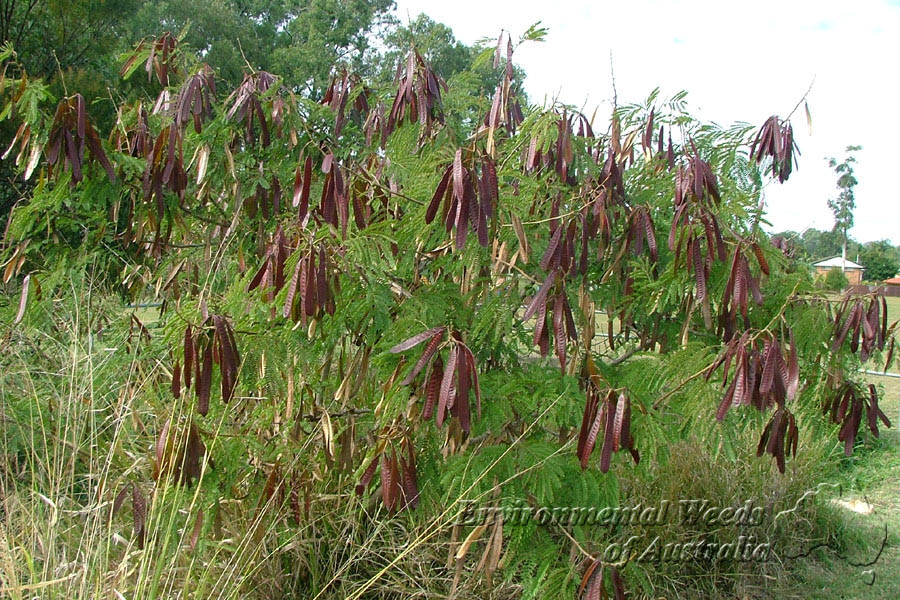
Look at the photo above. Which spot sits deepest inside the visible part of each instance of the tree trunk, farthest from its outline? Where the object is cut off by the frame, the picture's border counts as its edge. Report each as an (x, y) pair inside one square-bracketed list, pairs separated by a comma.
[(844, 254)]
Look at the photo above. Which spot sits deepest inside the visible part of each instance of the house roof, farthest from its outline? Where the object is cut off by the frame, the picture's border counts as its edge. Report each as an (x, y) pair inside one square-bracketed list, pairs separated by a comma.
[(893, 281), (836, 261)]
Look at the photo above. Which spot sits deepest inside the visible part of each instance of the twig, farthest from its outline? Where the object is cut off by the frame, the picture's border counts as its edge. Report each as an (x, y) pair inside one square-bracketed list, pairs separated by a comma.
[(612, 76), (799, 102), (62, 76), (620, 359), (371, 178), (343, 413), (679, 386)]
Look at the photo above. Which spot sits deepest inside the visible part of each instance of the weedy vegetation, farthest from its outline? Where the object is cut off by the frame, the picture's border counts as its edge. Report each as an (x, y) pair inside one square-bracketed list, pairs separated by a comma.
[(373, 308)]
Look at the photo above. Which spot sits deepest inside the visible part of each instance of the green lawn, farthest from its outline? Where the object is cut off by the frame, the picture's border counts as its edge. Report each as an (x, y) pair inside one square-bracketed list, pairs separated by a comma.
[(873, 477)]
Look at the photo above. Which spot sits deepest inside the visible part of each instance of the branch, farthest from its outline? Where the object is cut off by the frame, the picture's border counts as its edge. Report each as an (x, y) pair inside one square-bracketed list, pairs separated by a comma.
[(800, 101), (343, 413), (679, 386), (612, 76), (622, 358)]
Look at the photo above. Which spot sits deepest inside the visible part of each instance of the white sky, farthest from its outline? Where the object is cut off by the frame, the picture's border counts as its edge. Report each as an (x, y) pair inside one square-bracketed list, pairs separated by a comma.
[(739, 61)]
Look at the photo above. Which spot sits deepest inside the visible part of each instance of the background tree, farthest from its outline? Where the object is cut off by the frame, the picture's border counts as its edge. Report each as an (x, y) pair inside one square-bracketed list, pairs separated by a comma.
[(301, 40), (843, 205), (820, 245), (54, 35), (447, 55), (434, 41), (880, 260), (815, 244)]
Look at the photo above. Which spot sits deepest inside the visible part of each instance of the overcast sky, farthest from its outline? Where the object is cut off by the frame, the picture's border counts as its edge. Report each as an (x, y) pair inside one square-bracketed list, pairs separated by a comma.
[(739, 61)]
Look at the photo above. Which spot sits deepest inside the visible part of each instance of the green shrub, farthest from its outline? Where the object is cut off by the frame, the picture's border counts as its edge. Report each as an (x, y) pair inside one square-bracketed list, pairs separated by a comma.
[(835, 280), (378, 307)]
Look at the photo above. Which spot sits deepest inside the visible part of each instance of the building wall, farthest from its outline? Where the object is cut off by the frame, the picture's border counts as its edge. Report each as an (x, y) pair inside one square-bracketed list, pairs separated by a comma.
[(854, 276)]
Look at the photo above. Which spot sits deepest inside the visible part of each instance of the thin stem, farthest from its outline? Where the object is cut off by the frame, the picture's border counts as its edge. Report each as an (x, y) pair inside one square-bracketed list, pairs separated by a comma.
[(800, 101)]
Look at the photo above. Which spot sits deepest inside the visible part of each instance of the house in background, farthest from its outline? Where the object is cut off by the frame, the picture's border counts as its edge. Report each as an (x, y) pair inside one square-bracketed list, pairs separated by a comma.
[(853, 271)]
